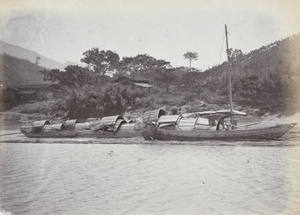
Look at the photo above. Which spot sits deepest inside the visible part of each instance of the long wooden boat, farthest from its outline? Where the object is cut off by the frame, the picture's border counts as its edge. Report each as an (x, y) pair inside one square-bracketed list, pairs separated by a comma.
[(54, 134), (43, 129), (152, 132)]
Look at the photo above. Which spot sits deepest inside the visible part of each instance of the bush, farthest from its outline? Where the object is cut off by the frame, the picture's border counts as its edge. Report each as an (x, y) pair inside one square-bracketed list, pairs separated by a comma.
[(43, 107), (145, 102)]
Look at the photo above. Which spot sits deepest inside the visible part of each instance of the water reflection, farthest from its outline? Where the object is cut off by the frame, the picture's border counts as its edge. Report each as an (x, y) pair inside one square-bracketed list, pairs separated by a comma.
[(145, 177)]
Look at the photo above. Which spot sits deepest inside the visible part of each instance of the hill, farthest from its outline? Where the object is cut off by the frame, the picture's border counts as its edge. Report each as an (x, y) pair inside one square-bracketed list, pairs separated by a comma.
[(16, 72), (22, 53), (267, 77), (269, 74)]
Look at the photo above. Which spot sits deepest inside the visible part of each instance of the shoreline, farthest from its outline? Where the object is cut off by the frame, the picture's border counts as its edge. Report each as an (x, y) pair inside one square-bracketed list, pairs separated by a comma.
[(10, 132), (291, 138)]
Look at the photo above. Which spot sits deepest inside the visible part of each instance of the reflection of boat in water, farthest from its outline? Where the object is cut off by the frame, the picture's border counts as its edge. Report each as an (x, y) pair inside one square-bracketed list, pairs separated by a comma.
[(43, 129), (209, 126), (203, 125)]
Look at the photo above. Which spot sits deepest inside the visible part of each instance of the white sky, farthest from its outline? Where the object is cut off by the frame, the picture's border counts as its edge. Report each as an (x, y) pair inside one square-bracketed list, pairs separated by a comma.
[(164, 29)]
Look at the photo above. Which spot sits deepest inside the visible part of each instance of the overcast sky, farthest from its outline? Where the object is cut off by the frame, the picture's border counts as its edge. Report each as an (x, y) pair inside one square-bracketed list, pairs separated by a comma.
[(165, 29)]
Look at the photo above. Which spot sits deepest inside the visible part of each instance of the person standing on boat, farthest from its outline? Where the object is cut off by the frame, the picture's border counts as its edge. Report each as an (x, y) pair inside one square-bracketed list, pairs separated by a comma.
[(221, 122)]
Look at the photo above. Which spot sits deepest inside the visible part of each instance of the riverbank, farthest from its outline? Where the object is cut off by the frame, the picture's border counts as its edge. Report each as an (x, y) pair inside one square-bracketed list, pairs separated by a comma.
[(13, 137), (10, 132)]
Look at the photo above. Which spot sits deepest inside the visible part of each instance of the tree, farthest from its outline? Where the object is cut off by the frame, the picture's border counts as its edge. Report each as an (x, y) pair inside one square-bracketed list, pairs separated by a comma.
[(166, 78), (189, 79), (73, 76), (37, 59), (141, 66), (101, 62), (191, 56), (235, 55), (251, 88)]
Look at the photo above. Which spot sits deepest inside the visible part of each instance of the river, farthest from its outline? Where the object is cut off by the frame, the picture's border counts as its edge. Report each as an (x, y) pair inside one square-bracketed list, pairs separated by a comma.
[(135, 176)]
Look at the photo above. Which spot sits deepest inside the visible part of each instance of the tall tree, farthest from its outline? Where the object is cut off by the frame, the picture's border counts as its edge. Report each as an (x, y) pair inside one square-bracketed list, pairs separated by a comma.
[(73, 76), (166, 78), (101, 62), (191, 56), (142, 66)]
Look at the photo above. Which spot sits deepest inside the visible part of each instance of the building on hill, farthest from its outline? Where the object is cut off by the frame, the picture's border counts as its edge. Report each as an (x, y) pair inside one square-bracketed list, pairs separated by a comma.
[(36, 91), (25, 93), (129, 81)]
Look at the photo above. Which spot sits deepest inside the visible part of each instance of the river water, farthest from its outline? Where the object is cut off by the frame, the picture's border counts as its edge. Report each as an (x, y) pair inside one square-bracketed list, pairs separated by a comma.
[(135, 176)]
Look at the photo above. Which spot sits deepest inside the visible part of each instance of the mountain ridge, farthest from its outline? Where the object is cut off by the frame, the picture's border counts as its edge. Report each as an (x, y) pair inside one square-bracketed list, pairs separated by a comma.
[(22, 53)]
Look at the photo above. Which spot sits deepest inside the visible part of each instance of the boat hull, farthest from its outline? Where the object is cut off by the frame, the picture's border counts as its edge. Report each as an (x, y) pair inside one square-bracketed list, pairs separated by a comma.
[(118, 134), (55, 134), (150, 132)]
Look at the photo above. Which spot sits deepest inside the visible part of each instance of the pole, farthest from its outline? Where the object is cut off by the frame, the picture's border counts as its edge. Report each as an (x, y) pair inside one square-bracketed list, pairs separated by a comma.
[(229, 75)]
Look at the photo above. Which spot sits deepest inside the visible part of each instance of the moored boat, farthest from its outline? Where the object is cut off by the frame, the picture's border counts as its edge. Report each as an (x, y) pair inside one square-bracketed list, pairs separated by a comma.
[(116, 127), (202, 127), (107, 127), (44, 129), (207, 125)]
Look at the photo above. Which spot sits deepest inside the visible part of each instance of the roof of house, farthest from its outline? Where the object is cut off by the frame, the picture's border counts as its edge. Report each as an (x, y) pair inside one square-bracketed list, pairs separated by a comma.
[(122, 78), (140, 83)]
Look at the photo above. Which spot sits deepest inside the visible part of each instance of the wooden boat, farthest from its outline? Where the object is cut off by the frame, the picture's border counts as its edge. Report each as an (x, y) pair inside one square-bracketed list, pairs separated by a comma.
[(178, 128), (116, 127), (107, 127), (203, 126), (43, 129), (270, 133), (56, 134)]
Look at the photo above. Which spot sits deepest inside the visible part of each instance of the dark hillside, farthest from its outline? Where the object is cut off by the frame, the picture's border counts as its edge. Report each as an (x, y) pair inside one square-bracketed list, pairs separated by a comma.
[(16, 72)]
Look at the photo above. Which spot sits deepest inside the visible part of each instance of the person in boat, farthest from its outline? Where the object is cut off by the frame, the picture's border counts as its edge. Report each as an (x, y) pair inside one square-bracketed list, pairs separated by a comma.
[(173, 110), (221, 122), (179, 111)]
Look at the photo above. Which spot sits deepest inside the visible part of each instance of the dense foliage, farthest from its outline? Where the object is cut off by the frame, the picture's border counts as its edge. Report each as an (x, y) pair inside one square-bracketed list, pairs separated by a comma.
[(267, 76)]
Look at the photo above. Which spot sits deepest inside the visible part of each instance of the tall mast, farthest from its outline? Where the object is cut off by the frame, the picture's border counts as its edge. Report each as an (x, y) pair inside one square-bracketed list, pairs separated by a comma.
[(229, 74)]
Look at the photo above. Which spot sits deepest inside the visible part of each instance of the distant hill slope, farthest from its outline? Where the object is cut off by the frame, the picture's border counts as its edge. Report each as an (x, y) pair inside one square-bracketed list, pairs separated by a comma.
[(278, 58), (268, 75), (23, 53), (15, 72)]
